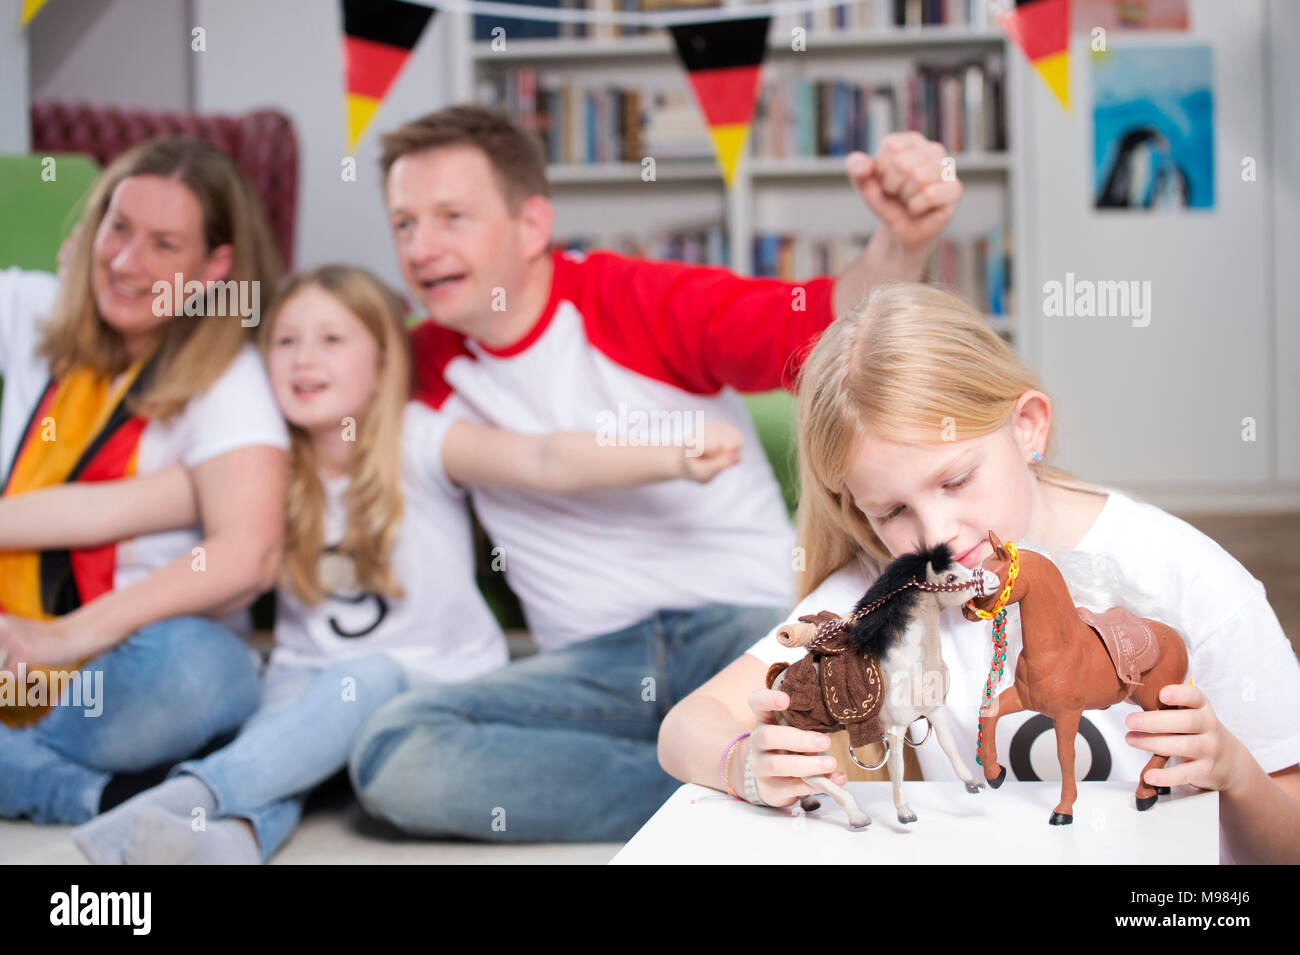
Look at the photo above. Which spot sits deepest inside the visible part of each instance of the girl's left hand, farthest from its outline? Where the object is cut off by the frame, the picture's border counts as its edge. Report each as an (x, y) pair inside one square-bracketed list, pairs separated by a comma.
[(1212, 757), (36, 643)]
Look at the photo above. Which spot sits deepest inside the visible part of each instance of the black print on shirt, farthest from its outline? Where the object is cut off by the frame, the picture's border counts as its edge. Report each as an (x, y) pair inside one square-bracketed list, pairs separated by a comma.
[(381, 611), (1022, 744), (338, 573)]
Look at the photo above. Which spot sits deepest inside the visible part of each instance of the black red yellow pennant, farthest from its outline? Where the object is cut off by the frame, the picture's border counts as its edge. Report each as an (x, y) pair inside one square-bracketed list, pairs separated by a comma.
[(1041, 28), (30, 9), (378, 38), (723, 59)]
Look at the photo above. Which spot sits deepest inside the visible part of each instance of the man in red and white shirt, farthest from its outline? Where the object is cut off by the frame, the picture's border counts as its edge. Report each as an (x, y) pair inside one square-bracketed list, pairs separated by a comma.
[(633, 596)]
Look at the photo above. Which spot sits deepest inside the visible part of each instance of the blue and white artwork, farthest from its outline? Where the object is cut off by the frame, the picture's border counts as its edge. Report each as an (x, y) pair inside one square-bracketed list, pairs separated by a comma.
[(1153, 128)]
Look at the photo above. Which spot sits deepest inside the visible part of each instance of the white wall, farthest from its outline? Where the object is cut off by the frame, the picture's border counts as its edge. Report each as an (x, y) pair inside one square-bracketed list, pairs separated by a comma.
[(132, 53), (1283, 58), (288, 54), (1159, 409), (14, 127)]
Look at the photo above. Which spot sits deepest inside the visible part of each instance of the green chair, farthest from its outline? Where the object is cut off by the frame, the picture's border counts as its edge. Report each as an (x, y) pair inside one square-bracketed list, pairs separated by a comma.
[(40, 200), (774, 413)]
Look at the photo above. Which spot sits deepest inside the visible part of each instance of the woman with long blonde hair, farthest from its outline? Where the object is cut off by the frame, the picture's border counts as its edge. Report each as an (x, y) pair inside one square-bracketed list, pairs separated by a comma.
[(111, 663), (918, 426)]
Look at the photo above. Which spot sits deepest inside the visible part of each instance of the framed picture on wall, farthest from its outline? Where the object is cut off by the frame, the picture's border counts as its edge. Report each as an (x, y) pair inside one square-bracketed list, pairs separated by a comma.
[(1153, 128)]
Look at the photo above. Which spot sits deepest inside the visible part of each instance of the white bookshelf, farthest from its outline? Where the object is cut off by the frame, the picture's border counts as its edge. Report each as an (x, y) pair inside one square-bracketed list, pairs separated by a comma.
[(767, 194)]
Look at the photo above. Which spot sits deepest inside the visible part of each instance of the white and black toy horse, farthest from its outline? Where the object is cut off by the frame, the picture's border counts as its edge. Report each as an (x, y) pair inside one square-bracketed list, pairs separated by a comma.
[(879, 669)]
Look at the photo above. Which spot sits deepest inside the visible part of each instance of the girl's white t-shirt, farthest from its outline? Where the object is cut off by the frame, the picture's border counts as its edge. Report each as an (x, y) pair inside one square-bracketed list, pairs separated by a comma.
[(1140, 557), (441, 630), (237, 411)]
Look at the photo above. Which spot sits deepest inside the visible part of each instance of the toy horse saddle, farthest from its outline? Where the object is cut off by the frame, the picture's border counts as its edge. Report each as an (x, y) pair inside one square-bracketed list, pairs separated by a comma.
[(833, 687), (1133, 648)]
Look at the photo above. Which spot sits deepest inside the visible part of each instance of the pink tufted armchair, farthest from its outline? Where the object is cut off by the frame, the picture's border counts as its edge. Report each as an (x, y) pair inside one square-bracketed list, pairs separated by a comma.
[(262, 143)]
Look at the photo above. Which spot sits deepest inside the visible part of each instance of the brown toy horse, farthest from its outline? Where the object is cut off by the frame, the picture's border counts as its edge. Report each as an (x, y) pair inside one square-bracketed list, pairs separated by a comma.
[(1073, 660)]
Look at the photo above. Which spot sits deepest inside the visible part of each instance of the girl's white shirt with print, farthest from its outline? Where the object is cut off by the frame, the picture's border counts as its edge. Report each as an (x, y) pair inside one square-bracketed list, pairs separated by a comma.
[(441, 630), (1137, 556)]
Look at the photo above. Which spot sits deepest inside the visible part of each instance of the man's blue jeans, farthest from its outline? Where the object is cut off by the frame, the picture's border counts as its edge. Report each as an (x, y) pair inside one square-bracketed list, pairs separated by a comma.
[(168, 689), (560, 747)]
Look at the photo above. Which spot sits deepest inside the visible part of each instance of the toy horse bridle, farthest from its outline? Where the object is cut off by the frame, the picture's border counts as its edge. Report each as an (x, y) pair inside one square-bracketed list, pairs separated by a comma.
[(1013, 571), (976, 583)]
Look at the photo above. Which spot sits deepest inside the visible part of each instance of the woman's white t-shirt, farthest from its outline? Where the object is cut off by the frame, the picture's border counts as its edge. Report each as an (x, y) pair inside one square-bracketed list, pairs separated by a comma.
[(1137, 556), (441, 630), (237, 411)]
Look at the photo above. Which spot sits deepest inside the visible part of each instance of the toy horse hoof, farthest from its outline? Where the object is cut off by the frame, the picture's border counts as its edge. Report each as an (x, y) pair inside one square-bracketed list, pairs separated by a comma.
[(1162, 790), (859, 826), (810, 803), (1061, 819), (906, 817), (973, 787), (1000, 778), (1145, 802)]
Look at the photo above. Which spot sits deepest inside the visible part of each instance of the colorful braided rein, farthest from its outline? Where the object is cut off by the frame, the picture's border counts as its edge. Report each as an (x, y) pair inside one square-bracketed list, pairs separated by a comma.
[(999, 617)]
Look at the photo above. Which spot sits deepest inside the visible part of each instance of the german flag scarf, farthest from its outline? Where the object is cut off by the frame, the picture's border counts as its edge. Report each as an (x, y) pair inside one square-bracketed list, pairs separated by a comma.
[(80, 430)]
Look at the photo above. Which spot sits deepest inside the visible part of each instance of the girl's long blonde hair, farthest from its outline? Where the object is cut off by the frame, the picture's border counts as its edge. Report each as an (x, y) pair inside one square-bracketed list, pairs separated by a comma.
[(195, 351), (911, 364), (374, 495)]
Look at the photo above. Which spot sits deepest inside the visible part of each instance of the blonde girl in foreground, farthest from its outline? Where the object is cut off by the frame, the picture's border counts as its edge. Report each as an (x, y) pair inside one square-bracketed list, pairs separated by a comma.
[(377, 591), (882, 396)]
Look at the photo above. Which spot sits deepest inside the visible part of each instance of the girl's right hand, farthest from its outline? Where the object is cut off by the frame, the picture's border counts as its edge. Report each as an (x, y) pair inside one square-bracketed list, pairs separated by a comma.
[(717, 449), (781, 756)]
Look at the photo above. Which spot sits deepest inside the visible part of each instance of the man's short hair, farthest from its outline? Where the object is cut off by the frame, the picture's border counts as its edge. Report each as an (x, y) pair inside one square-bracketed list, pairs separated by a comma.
[(516, 156)]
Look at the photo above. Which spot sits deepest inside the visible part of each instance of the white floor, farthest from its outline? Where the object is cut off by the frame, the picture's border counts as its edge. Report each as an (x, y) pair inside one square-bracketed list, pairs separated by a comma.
[(335, 833)]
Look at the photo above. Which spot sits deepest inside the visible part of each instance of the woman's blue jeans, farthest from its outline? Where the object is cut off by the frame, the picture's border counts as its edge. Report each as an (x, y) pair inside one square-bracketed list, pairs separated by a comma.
[(164, 692)]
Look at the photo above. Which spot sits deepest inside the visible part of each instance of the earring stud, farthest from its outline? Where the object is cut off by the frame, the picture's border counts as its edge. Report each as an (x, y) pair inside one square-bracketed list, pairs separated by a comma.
[(1038, 457)]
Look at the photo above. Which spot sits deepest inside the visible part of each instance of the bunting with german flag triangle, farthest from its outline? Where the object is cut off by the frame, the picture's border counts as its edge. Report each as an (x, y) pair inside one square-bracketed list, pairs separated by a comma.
[(1041, 28), (723, 59), (30, 9), (378, 38)]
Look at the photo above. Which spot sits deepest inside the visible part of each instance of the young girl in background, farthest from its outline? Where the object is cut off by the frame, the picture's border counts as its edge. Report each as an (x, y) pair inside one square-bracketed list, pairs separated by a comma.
[(377, 592), (918, 425)]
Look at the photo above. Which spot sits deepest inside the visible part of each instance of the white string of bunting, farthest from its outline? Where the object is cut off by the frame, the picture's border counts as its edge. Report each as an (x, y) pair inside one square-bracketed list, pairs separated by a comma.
[(664, 18)]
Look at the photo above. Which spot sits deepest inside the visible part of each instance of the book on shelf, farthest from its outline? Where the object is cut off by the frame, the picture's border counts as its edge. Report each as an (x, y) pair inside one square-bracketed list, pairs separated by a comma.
[(964, 13), (875, 15), (521, 29), (975, 268), (516, 28), (961, 106), (599, 122), (703, 245), (792, 257), (863, 15)]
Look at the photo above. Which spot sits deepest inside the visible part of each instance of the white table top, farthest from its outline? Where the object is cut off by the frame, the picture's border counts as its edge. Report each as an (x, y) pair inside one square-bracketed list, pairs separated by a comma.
[(1006, 825)]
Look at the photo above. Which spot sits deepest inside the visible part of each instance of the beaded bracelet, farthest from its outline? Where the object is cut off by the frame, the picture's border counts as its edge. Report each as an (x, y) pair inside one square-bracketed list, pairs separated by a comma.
[(724, 765), (751, 784)]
